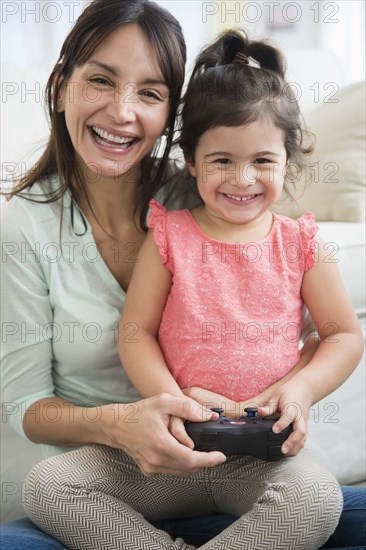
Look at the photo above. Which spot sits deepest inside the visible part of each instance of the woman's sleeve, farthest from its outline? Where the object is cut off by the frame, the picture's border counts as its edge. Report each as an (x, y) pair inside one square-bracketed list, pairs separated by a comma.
[(26, 316)]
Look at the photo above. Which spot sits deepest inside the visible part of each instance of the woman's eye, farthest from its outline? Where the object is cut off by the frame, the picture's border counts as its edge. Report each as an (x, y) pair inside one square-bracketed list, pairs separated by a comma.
[(150, 95), (99, 80), (261, 161)]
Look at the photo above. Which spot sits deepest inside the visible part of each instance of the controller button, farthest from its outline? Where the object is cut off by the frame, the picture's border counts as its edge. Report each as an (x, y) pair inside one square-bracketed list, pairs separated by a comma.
[(251, 411)]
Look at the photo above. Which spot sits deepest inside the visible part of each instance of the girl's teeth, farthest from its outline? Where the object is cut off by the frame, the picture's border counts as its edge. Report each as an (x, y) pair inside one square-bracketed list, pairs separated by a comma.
[(110, 137), (239, 198)]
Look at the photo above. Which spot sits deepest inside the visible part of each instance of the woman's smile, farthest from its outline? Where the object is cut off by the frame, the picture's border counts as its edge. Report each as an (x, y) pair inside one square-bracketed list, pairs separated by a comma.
[(111, 139)]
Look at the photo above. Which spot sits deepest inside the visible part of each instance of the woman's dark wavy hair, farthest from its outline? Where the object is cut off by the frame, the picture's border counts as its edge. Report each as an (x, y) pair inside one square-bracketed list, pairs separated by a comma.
[(97, 21), (224, 90)]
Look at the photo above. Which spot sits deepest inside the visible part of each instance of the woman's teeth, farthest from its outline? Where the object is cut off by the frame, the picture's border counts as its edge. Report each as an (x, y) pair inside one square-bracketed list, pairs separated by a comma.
[(239, 199), (105, 138)]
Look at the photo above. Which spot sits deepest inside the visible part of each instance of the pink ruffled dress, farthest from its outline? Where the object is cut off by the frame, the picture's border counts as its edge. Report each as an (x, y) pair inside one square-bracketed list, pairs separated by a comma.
[(232, 319)]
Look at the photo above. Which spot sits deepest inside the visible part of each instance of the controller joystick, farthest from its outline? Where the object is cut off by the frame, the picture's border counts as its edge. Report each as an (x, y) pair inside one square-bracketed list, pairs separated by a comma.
[(248, 435), (251, 411), (218, 410)]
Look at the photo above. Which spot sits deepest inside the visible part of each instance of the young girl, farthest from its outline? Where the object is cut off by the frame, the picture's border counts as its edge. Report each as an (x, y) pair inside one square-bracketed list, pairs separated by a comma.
[(228, 279), (221, 307)]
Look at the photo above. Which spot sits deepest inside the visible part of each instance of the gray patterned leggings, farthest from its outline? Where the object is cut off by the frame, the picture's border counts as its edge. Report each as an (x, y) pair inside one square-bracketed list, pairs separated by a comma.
[(97, 498)]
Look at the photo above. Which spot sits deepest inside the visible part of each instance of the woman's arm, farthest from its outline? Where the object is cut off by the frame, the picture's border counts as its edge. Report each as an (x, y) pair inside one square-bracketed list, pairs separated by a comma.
[(143, 359), (26, 354), (141, 429), (124, 425)]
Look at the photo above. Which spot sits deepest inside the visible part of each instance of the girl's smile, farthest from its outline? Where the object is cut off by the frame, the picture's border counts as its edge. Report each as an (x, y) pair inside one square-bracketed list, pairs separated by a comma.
[(242, 200)]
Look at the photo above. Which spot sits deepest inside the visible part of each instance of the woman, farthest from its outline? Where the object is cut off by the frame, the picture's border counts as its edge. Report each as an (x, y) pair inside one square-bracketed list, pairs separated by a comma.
[(82, 211)]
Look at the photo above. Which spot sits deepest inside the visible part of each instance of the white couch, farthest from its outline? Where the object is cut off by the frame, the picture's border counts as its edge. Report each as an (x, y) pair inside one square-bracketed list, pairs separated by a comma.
[(337, 424)]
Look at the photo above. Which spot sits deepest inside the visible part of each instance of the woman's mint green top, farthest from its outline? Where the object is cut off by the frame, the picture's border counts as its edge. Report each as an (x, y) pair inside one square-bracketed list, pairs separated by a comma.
[(60, 312)]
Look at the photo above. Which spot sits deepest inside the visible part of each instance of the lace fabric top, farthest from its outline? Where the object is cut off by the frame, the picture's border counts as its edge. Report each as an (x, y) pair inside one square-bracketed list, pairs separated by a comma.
[(232, 319)]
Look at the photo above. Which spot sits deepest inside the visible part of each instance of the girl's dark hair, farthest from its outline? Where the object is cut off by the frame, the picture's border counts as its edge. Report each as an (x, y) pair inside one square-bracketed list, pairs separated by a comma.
[(97, 21), (228, 89)]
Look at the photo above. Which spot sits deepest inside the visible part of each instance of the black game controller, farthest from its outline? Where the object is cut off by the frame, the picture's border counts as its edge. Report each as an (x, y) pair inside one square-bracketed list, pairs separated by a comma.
[(249, 435)]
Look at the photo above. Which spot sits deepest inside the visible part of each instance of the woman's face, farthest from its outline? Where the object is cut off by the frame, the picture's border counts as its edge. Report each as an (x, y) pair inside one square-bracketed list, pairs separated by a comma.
[(116, 105)]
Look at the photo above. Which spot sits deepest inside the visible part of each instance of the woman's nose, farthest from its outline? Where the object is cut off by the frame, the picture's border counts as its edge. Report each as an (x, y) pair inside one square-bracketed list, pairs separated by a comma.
[(125, 104)]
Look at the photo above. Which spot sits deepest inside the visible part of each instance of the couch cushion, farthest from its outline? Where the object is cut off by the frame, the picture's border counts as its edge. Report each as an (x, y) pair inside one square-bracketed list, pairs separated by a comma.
[(337, 429), (346, 245), (336, 189)]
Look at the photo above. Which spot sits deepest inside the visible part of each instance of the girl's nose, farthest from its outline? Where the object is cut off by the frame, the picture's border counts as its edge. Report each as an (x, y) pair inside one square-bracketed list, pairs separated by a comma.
[(245, 174)]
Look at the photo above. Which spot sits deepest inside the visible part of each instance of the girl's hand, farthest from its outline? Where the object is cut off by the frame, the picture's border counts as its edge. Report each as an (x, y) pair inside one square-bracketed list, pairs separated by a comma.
[(293, 401), (232, 409), (142, 430)]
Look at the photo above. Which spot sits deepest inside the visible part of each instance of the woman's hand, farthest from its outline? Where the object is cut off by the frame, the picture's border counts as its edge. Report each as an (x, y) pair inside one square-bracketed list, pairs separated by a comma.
[(293, 401), (177, 429), (142, 430)]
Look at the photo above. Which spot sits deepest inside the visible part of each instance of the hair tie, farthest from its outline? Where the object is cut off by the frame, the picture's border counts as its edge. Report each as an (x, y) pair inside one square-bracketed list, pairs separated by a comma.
[(242, 58)]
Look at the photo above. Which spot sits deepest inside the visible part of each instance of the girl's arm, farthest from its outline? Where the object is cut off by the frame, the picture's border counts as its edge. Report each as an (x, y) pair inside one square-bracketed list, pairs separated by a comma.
[(339, 352), (143, 359), (147, 293), (341, 342)]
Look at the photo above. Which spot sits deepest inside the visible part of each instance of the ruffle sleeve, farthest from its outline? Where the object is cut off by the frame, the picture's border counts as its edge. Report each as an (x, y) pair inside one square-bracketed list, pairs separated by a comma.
[(308, 230), (157, 222)]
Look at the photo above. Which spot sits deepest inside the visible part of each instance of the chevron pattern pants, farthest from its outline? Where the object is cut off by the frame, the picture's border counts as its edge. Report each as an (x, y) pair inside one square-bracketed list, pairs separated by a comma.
[(97, 498)]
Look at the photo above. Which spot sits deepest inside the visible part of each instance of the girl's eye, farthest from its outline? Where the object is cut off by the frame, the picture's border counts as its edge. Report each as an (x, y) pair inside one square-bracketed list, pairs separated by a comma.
[(222, 161), (261, 161)]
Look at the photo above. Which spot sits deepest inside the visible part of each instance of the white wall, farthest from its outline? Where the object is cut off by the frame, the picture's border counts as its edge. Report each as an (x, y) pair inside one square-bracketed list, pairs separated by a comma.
[(33, 32)]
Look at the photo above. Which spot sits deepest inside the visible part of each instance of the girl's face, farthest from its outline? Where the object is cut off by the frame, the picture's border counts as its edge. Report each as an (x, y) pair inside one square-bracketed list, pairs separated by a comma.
[(116, 105), (240, 170)]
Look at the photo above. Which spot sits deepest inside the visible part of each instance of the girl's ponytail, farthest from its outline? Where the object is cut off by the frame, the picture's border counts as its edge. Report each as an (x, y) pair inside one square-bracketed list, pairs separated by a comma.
[(235, 47)]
